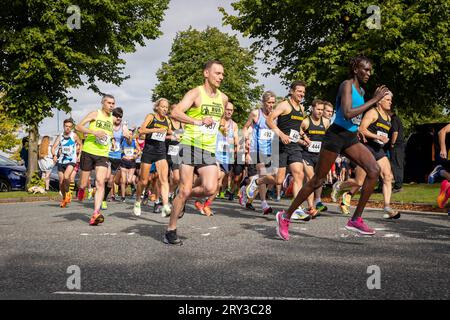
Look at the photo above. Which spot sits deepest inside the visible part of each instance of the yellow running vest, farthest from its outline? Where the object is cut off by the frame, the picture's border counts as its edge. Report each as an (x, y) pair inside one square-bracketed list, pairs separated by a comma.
[(204, 137), (92, 144)]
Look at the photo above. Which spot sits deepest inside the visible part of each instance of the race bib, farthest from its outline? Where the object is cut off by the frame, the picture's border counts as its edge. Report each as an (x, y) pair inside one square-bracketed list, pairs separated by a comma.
[(103, 141), (266, 134), (129, 152), (211, 129), (173, 150), (357, 120), (315, 146), (383, 134), (67, 150), (295, 136), (159, 136), (221, 146)]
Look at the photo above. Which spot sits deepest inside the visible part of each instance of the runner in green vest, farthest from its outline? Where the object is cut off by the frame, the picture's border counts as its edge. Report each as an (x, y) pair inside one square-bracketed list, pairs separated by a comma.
[(94, 154), (201, 109)]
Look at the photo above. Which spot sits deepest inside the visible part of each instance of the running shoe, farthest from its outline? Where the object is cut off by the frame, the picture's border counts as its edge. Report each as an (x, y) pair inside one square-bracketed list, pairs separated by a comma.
[(208, 211), (249, 206), (123, 199), (145, 199), (153, 197), (278, 199), (104, 205), (434, 174), (96, 218), (390, 213), (80, 194), (90, 194), (282, 225), (252, 188), (137, 209), (165, 211), (335, 191), (182, 212), (300, 215), (313, 213), (444, 194), (170, 237), (69, 197), (63, 203), (267, 210), (359, 226), (345, 203), (199, 206), (221, 195), (157, 207), (321, 207), (242, 197)]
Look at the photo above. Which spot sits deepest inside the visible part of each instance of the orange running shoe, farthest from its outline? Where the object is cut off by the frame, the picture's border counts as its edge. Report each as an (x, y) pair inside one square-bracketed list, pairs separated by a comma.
[(96, 218), (63, 203), (199, 206), (313, 212), (443, 195), (153, 197), (69, 197), (208, 211)]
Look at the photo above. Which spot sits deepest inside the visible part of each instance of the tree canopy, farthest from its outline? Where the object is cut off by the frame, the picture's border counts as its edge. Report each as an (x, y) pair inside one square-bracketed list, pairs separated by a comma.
[(311, 41), (191, 49)]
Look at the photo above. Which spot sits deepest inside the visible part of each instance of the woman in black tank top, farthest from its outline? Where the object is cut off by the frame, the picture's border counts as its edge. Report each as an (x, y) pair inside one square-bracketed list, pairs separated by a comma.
[(375, 126), (155, 127)]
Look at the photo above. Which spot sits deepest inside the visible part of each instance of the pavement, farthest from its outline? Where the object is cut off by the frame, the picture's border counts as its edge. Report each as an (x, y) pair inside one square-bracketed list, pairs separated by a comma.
[(52, 253)]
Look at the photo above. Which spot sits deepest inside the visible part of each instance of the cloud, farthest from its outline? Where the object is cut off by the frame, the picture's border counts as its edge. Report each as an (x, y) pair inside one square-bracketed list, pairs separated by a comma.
[(134, 95)]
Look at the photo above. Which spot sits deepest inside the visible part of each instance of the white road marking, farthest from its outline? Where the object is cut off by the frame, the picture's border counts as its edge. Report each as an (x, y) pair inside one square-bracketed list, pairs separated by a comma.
[(206, 234), (389, 235), (179, 296)]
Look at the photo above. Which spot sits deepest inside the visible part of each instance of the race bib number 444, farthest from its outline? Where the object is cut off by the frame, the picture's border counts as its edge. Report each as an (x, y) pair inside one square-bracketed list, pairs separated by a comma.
[(315, 146)]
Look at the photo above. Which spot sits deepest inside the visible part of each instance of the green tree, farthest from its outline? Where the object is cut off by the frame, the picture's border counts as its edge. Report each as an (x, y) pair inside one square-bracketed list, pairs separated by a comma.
[(305, 39), (49, 47), (191, 49), (8, 131)]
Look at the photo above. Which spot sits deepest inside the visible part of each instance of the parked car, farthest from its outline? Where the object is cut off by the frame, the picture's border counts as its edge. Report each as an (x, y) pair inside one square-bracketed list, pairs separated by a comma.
[(12, 175)]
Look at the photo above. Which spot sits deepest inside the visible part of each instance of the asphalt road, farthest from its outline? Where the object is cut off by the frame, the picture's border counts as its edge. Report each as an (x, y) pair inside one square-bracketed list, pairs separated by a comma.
[(232, 255)]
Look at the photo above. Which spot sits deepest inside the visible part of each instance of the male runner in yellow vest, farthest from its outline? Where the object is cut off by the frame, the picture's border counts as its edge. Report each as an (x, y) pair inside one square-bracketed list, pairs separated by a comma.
[(201, 109), (94, 154)]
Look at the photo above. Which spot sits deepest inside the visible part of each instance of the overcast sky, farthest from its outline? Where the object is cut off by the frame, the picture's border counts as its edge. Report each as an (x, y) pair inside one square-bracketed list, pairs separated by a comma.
[(134, 95)]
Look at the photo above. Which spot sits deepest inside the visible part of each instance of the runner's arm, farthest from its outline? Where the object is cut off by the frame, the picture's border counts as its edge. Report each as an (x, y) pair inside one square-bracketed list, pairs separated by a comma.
[(442, 134), (143, 128), (282, 108), (252, 117), (90, 117), (55, 146), (179, 112), (370, 117)]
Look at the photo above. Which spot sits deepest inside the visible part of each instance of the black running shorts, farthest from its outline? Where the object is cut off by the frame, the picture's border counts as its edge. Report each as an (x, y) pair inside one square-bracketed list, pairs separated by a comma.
[(338, 139)]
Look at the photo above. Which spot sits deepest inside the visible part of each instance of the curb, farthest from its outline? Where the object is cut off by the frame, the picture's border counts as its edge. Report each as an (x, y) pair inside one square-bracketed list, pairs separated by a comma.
[(28, 199)]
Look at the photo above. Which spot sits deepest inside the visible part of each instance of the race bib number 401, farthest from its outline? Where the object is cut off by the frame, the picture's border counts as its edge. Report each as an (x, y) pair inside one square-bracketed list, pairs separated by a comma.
[(381, 134), (159, 136)]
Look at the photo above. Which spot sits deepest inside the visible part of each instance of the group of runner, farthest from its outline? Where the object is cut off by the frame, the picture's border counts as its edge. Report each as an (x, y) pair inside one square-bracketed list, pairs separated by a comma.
[(196, 147)]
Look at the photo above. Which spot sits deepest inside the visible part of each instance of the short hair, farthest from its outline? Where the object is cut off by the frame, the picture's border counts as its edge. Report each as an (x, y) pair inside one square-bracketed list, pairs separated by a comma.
[(355, 61), (316, 102), (117, 112), (107, 96), (296, 84), (70, 120), (210, 63), (327, 104), (158, 102), (267, 95)]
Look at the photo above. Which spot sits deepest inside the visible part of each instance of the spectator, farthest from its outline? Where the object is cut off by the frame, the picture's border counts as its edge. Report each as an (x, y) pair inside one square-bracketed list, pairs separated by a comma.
[(397, 151), (46, 162), (24, 152), (442, 169)]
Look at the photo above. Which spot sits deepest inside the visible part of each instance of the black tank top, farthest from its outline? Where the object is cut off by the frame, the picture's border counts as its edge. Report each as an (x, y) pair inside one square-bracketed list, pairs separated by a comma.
[(291, 122), (380, 127), (155, 143)]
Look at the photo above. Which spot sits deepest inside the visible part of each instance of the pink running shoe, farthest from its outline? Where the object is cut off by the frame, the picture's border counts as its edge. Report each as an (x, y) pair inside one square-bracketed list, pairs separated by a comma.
[(80, 194), (282, 225), (444, 194), (359, 226)]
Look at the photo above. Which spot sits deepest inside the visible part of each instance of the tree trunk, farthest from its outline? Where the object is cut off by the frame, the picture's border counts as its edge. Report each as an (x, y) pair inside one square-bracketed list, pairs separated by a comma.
[(32, 152)]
